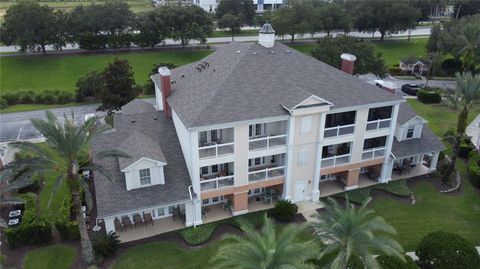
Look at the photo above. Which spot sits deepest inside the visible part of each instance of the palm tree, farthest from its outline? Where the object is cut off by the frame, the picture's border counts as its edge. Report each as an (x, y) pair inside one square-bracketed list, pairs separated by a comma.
[(352, 232), (466, 94), (66, 153), (268, 248), (469, 40)]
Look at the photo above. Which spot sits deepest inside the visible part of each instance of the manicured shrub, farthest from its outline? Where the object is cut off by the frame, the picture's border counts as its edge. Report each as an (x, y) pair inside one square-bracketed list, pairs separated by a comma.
[(284, 211), (391, 262), (105, 245), (27, 97), (3, 103), (64, 97), (442, 250), (325, 261), (428, 97), (67, 228), (11, 98), (395, 70), (33, 229), (464, 150), (473, 168), (450, 66), (48, 97)]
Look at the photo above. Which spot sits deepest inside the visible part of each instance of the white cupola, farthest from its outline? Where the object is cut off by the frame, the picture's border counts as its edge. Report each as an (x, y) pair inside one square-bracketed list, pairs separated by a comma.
[(266, 36)]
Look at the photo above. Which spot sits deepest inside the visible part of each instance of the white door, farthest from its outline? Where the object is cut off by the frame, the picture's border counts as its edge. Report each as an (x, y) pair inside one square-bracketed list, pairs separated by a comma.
[(300, 189)]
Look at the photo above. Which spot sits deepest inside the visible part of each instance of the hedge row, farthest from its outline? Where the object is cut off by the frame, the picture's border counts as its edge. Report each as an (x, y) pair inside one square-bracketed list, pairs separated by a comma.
[(474, 168), (429, 97), (30, 97), (67, 228), (33, 229)]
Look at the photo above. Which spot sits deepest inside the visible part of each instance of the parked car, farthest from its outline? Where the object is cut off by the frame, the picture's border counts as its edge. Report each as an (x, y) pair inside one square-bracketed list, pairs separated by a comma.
[(411, 89)]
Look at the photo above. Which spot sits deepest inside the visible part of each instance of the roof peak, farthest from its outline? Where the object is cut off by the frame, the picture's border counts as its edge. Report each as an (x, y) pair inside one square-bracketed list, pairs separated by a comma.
[(267, 29)]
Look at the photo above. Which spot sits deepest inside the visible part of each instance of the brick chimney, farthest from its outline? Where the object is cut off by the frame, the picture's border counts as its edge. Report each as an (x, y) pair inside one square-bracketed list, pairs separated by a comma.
[(166, 88), (348, 62)]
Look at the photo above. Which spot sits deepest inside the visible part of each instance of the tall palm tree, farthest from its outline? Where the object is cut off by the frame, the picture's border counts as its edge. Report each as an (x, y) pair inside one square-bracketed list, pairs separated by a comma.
[(354, 232), (66, 153), (268, 248), (465, 95)]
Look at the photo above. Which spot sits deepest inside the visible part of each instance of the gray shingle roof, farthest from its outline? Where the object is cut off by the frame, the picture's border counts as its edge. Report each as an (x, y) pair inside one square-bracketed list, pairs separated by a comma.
[(137, 106), (112, 197), (246, 81), (405, 113), (427, 143), (137, 146)]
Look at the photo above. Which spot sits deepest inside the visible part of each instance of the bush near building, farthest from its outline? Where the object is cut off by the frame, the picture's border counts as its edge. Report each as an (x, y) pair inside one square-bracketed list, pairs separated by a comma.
[(442, 250), (429, 97), (390, 262), (474, 168)]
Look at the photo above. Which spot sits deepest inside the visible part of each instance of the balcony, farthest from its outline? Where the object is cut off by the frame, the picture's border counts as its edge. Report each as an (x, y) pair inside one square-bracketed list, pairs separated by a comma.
[(378, 124), (216, 183), (336, 160), (339, 130), (267, 135), (267, 142), (373, 153), (266, 174), (215, 143)]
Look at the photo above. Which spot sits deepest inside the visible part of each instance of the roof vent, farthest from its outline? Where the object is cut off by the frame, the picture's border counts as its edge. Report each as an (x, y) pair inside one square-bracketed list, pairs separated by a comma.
[(183, 75), (238, 51), (255, 53), (272, 52), (133, 121), (155, 118), (288, 51)]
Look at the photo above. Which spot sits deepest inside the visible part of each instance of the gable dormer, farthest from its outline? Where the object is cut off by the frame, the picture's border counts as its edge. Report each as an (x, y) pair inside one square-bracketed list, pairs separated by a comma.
[(145, 167), (409, 124), (312, 104)]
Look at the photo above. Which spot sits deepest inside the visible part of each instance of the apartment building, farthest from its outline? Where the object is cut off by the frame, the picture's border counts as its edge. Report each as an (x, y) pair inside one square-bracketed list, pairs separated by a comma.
[(210, 5), (252, 119)]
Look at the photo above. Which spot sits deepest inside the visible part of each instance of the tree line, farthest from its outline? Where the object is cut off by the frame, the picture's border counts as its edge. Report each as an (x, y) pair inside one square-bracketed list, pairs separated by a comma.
[(108, 25)]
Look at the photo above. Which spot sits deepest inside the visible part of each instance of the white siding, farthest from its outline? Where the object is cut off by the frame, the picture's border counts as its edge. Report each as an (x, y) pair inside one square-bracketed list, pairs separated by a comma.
[(184, 138), (158, 98), (132, 176)]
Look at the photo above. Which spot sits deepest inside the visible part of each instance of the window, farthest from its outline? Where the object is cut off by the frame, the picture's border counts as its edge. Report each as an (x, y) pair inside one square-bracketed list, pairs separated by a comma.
[(213, 135), (258, 161), (145, 177), (204, 170), (215, 199), (205, 201), (203, 138), (160, 211), (379, 113), (306, 125), (340, 119), (303, 156), (410, 131), (214, 168), (250, 130), (258, 129), (376, 142)]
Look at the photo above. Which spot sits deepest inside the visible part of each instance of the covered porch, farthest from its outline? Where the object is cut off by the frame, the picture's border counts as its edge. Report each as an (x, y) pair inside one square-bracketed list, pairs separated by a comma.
[(150, 229)]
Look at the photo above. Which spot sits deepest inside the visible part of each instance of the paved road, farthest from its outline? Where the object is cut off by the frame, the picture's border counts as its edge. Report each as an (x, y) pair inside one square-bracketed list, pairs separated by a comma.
[(443, 84), (420, 31)]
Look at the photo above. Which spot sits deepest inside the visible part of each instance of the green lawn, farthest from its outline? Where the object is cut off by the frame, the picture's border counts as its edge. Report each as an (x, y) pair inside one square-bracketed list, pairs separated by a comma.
[(392, 49), (57, 256), (395, 49), (39, 73), (439, 116)]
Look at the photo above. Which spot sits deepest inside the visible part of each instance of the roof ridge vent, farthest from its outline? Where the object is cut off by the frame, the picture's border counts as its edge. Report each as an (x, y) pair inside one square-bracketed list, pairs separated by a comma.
[(238, 51), (255, 53)]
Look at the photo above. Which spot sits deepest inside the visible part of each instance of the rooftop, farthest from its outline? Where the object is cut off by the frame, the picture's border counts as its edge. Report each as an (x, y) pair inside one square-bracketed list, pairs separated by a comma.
[(245, 81)]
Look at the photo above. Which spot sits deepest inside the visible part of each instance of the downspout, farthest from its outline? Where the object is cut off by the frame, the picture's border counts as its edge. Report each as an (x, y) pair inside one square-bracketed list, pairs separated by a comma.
[(190, 189)]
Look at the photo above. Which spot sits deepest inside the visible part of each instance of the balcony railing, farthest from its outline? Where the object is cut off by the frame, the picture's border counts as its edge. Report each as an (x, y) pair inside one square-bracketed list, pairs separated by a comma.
[(268, 142), (215, 150), (339, 130), (265, 174), (378, 124), (370, 154), (216, 183), (336, 160)]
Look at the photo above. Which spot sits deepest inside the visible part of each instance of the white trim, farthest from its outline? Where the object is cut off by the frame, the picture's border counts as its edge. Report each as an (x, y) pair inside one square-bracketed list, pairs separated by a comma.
[(351, 188), (241, 212), (237, 123), (313, 96), (127, 169), (143, 209)]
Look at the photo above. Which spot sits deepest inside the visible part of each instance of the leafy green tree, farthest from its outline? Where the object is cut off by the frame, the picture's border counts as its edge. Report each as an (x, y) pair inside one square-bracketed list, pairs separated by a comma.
[(296, 17), (242, 8), (66, 153), (231, 22), (464, 8), (88, 86), (119, 86), (267, 248), (332, 16), (355, 233), (30, 26), (152, 28), (329, 50), (188, 22), (385, 16), (100, 25), (149, 87), (466, 95)]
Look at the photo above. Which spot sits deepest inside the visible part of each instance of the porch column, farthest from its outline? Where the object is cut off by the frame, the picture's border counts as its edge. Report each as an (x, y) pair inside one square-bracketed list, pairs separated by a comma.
[(318, 160), (109, 225), (386, 174), (193, 213), (352, 179), (240, 203), (288, 178), (434, 161)]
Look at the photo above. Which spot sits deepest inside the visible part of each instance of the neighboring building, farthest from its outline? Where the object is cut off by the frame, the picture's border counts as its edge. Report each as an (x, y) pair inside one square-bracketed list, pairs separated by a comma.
[(251, 119), (211, 5), (412, 65)]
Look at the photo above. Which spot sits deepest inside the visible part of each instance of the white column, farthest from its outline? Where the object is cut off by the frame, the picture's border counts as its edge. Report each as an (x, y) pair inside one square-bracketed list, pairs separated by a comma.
[(109, 225), (387, 166), (318, 160), (288, 179), (194, 155), (193, 213), (433, 162)]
